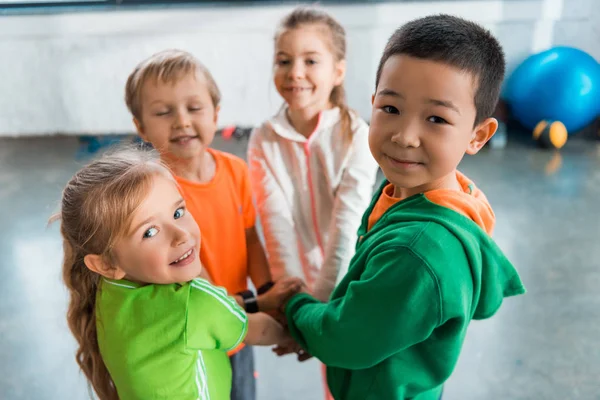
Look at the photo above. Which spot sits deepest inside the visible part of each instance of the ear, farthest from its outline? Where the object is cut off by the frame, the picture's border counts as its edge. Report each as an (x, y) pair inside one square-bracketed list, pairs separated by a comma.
[(99, 265), (482, 133), (340, 72), (139, 128), (216, 116)]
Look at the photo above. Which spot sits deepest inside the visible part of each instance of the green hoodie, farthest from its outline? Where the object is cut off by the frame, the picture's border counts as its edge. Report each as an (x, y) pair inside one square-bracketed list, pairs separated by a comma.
[(395, 325)]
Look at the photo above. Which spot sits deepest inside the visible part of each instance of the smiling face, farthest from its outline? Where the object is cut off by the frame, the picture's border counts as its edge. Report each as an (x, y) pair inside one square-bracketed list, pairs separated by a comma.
[(422, 123), (179, 119), (162, 244), (306, 70)]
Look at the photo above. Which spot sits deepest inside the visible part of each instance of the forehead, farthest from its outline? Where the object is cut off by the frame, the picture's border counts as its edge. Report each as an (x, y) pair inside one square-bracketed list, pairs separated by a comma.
[(190, 84), (418, 78), (304, 39), (162, 192)]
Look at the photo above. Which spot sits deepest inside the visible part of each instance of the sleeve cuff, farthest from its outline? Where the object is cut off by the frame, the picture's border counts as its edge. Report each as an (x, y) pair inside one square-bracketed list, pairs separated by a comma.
[(293, 306), (241, 338)]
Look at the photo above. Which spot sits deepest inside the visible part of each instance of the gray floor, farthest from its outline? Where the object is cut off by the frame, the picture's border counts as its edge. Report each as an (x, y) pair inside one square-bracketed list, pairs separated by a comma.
[(545, 345)]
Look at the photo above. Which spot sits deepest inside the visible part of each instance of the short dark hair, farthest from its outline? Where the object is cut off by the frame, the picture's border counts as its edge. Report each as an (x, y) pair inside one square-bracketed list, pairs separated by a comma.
[(457, 42)]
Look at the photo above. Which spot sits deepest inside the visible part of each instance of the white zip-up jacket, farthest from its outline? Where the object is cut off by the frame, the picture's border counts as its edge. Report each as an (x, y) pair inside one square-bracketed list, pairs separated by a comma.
[(311, 195)]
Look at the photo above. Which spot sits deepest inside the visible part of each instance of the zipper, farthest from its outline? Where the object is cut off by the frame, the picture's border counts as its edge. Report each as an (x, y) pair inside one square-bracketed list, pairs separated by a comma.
[(313, 203)]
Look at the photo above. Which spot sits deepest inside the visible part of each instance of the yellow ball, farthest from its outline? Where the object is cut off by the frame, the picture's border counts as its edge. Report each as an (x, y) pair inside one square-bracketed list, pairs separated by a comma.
[(550, 134)]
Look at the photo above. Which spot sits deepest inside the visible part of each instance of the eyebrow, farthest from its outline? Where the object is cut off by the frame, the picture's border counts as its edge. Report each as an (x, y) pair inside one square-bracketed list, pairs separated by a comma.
[(194, 97), (161, 102), (147, 220), (444, 103), (389, 92), (306, 53)]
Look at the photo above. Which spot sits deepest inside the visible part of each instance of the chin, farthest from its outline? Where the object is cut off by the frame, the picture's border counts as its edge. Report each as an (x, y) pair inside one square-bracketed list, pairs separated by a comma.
[(294, 104), (189, 154)]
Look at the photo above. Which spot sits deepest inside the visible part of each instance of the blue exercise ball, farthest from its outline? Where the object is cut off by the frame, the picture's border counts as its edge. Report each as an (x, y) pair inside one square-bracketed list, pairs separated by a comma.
[(560, 84)]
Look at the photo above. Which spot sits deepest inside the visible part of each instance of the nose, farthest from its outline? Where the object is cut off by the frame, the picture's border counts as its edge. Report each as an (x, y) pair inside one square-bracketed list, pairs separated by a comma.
[(297, 70), (180, 236), (407, 135), (182, 120)]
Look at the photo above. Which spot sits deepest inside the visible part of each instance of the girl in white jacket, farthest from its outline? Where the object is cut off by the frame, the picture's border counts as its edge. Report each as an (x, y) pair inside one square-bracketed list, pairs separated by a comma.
[(310, 165)]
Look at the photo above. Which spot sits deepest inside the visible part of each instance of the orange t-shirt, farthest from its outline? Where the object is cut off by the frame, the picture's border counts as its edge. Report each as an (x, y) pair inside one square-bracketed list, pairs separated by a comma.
[(475, 206), (385, 201), (223, 209)]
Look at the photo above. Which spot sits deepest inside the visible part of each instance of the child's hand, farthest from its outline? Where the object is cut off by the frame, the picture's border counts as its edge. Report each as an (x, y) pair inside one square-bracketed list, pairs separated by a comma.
[(292, 347), (281, 292), (283, 349), (303, 289)]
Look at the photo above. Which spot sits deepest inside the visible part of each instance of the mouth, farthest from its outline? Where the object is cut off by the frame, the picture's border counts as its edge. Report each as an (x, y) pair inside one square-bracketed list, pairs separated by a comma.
[(297, 90), (185, 258), (183, 139), (402, 162)]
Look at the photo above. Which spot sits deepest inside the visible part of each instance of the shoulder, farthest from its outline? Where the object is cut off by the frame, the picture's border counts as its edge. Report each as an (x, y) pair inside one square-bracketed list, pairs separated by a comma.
[(228, 158), (358, 123), (126, 298), (262, 133), (427, 241), (230, 164), (214, 298), (358, 127)]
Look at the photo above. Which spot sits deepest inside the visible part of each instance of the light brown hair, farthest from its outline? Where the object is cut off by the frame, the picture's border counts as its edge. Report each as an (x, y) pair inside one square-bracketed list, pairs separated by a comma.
[(303, 16), (96, 210), (166, 66)]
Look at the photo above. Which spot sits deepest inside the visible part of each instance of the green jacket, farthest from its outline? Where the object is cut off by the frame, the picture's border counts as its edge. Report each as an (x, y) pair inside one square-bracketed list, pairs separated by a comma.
[(395, 325)]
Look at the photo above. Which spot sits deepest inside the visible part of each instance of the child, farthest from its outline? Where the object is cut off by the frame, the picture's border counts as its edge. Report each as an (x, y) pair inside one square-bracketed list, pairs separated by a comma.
[(310, 166), (425, 263), (145, 327), (175, 105)]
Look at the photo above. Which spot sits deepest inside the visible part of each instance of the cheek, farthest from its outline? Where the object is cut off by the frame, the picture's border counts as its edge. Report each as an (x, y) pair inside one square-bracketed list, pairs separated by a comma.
[(375, 140), (447, 154), (206, 121), (138, 258), (323, 76), (153, 256), (278, 76), (155, 129), (192, 227), (379, 130)]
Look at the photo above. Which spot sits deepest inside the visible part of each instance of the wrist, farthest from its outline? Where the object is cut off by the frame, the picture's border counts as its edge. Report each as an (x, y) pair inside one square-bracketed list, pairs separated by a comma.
[(250, 301), (264, 303), (265, 288)]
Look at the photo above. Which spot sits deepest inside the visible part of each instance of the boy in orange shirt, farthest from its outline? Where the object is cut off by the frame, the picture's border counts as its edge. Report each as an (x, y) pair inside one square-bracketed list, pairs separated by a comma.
[(174, 101)]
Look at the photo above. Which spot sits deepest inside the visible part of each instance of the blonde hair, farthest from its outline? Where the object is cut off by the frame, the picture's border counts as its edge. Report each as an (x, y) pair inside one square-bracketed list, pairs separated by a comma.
[(166, 66), (96, 210), (303, 16)]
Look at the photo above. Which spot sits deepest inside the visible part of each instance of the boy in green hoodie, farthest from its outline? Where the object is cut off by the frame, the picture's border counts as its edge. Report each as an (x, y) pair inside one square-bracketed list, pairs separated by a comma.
[(425, 262)]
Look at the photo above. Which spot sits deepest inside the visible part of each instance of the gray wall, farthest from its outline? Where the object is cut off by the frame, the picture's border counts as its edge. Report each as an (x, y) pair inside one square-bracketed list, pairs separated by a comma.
[(64, 73)]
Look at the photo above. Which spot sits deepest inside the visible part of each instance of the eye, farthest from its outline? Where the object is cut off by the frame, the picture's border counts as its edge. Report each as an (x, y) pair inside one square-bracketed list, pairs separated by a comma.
[(195, 108), (390, 110), (283, 62), (161, 113), (150, 233), (180, 212), (437, 120), (311, 62)]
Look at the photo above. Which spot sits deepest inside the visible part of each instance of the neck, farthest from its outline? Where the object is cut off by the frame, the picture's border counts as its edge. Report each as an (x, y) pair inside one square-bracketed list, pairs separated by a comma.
[(200, 169), (448, 182), (305, 120), (133, 280)]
